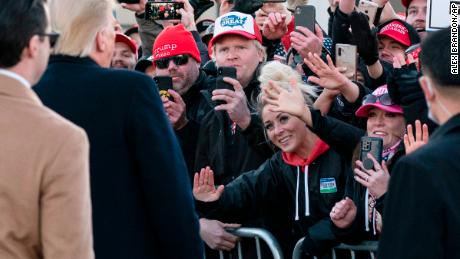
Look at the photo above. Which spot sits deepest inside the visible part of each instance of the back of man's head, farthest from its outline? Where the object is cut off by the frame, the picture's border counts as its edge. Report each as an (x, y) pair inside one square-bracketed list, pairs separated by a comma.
[(436, 59), (20, 20), (78, 23)]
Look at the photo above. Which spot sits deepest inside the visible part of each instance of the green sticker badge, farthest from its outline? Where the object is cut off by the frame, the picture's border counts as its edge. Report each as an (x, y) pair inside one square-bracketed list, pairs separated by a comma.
[(327, 185)]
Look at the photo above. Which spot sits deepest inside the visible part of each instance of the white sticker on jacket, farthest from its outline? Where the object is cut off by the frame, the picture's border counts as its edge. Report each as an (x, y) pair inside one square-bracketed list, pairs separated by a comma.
[(327, 185)]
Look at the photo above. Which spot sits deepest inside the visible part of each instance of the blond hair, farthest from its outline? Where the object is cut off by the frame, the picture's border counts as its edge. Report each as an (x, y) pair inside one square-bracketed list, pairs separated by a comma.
[(78, 22), (259, 47), (282, 75)]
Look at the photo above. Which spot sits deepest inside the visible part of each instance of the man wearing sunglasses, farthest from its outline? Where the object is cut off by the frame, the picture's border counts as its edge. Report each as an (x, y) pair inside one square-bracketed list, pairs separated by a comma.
[(175, 54), (45, 195)]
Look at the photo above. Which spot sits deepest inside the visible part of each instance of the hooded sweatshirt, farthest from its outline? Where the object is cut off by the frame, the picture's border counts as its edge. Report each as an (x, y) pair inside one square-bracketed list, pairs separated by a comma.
[(302, 165)]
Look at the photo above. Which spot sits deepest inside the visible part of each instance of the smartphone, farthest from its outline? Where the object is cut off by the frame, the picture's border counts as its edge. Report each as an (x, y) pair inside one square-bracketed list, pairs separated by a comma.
[(369, 8), (164, 83), (371, 145), (220, 83), (414, 50), (305, 16), (346, 56), (163, 11)]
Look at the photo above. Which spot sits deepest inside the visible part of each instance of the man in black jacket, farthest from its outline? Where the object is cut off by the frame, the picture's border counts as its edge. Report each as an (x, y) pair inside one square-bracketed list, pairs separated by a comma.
[(142, 202), (175, 54), (422, 215), (231, 136)]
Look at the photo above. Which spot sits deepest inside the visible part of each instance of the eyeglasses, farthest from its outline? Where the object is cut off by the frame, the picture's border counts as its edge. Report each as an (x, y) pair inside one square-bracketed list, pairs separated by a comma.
[(178, 60), (382, 99), (54, 36)]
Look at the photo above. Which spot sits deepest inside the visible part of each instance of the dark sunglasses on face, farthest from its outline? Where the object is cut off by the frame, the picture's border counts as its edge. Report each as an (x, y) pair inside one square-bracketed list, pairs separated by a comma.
[(383, 99), (178, 60), (53, 37)]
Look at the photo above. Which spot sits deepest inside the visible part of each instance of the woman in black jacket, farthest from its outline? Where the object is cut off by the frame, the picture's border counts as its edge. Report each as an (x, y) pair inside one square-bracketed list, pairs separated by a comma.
[(384, 120), (293, 191)]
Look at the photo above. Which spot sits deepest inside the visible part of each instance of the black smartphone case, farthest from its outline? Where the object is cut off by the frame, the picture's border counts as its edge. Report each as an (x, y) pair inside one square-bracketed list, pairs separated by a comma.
[(220, 83), (305, 16), (371, 145), (164, 83)]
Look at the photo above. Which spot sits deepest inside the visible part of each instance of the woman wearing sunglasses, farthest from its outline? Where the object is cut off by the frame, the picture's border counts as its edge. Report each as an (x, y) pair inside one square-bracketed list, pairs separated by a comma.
[(357, 217)]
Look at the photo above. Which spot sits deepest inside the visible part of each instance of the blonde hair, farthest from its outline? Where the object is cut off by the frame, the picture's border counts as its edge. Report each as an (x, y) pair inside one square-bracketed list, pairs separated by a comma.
[(282, 75), (259, 47), (78, 22)]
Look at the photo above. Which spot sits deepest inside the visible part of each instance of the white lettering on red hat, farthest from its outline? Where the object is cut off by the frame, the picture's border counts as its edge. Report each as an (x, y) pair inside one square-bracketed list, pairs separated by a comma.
[(164, 51), (234, 22), (395, 27)]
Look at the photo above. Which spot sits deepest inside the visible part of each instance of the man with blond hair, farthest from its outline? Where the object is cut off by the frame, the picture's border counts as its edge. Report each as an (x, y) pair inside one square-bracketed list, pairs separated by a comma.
[(44, 189), (142, 202)]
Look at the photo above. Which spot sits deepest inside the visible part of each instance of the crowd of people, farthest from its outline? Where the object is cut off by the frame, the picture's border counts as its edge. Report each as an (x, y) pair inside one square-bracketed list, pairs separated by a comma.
[(96, 163)]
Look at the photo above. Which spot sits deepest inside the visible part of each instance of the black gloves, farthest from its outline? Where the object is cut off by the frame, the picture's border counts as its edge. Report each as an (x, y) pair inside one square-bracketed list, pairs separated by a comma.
[(364, 38), (403, 85), (247, 6)]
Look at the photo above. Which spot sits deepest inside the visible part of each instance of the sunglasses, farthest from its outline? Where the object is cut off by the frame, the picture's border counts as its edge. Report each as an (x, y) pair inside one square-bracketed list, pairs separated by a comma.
[(178, 60), (382, 99), (54, 36)]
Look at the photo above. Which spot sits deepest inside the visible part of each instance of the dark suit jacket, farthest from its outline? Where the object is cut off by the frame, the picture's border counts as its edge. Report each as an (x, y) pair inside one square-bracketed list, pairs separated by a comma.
[(141, 196), (422, 210)]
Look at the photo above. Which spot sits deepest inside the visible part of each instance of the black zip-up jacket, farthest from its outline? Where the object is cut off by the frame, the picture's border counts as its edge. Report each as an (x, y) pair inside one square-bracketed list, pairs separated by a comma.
[(271, 189), (229, 152), (196, 108), (345, 138)]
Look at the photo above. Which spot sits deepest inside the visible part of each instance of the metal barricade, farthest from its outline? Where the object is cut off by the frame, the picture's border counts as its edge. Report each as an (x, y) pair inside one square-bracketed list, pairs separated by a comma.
[(257, 234), (367, 246)]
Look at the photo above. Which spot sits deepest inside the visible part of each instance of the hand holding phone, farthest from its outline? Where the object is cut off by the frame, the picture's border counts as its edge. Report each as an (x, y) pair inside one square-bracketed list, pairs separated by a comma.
[(373, 146), (369, 8), (163, 10)]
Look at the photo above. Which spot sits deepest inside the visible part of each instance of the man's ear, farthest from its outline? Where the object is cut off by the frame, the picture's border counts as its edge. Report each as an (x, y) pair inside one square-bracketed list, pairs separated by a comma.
[(260, 54), (33, 47), (101, 43), (427, 88)]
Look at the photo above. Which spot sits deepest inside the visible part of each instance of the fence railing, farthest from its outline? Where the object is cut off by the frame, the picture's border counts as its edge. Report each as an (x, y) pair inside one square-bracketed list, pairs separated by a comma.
[(257, 234), (366, 246)]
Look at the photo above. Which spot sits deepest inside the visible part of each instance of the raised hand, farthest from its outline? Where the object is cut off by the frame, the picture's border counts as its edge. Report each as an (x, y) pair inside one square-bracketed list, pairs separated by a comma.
[(304, 41), (187, 14), (282, 100), (412, 143), (328, 76), (275, 26), (203, 186), (375, 180), (343, 213), (236, 103)]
